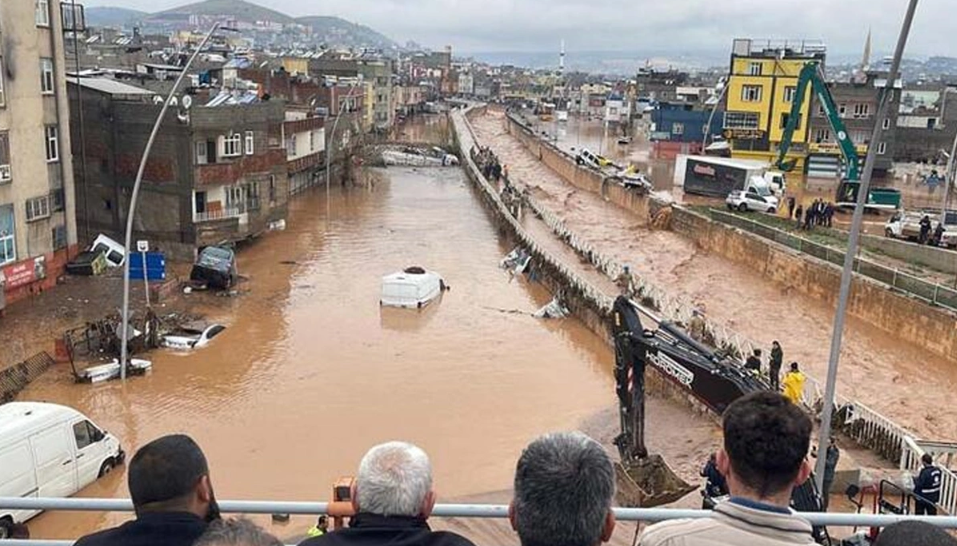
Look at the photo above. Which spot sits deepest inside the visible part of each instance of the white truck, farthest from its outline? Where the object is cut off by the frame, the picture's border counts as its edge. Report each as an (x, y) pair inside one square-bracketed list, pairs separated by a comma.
[(906, 225), (49, 450), (719, 176)]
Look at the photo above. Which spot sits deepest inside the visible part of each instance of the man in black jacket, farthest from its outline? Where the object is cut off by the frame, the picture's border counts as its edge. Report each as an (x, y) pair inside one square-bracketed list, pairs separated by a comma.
[(172, 496), (774, 366), (392, 498), (927, 488)]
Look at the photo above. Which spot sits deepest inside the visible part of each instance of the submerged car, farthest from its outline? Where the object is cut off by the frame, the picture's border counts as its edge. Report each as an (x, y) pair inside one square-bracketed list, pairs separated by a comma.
[(191, 337), (87, 263), (215, 268), (412, 287)]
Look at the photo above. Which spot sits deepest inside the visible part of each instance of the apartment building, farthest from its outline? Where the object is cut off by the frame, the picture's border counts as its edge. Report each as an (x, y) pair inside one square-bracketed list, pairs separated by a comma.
[(37, 223)]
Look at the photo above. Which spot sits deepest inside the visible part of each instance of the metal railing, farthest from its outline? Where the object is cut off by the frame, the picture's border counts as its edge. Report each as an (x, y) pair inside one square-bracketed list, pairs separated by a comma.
[(933, 293), (910, 461), (251, 205)]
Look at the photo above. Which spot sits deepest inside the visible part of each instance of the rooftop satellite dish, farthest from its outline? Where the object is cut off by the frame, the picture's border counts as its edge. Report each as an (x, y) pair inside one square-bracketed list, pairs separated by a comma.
[(157, 100), (173, 101), (187, 102)]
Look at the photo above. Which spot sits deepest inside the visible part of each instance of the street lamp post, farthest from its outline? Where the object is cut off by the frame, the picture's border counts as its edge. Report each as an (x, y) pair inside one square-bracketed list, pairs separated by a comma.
[(125, 325), (329, 141), (707, 131)]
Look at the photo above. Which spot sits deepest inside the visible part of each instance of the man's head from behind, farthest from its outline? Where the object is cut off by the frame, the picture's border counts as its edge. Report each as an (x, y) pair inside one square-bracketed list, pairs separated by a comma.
[(394, 479), (170, 474), (236, 532), (564, 485), (766, 441), (914, 533)]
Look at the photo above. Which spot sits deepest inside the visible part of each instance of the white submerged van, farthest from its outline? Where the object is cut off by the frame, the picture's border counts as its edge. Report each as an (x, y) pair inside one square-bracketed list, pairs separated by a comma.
[(48, 450)]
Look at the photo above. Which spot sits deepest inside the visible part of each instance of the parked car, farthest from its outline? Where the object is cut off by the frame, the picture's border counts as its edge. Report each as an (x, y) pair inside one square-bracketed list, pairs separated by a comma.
[(192, 337), (744, 201), (587, 157), (87, 263), (49, 450), (215, 268), (114, 252)]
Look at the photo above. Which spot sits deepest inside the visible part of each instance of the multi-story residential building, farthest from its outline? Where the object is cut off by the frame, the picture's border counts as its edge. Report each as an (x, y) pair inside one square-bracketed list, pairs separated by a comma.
[(37, 216), (927, 123), (305, 143), (659, 85), (857, 104), (679, 128), (761, 86), (217, 171)]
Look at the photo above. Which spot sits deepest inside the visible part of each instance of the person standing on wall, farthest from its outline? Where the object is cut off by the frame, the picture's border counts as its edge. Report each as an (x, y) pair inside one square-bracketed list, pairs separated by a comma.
[(794, 384), (774, 366)]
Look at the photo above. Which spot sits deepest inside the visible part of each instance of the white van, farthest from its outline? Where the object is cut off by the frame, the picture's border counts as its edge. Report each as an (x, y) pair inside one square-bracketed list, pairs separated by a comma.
[(49, 450), (593, 160), (114, 252)]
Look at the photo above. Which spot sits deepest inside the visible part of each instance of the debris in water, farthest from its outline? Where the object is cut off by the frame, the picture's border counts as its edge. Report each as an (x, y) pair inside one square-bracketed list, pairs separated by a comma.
[(516, 261), (554, 309)]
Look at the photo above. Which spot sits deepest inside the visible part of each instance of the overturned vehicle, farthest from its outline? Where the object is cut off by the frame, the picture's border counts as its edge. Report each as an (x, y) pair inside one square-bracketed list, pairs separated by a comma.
[(215, 269)]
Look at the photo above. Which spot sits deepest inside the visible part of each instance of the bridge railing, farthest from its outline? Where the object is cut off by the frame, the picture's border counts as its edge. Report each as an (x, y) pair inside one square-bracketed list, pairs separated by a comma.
[(914, 449)]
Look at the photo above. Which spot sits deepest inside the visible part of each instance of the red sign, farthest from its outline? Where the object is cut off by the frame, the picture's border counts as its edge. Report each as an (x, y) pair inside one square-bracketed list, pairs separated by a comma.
[(704, 170), (25, 272)]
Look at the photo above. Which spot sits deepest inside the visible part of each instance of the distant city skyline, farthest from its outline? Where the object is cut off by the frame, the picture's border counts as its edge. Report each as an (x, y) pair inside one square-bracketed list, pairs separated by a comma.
[(625, 25)]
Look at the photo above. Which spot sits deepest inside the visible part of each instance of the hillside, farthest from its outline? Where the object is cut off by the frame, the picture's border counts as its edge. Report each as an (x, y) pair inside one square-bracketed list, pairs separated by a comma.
[(337, 31), (112, 17), (236, 9)]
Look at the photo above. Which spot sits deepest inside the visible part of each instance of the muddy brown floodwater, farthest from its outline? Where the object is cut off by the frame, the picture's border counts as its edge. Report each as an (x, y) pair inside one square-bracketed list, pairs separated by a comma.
[(905, 382), (311, 372)]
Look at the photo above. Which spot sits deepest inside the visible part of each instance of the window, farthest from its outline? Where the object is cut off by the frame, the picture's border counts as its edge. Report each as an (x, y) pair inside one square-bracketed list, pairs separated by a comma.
[(52, 143), (82, 434), (201, 148), (842, 110), (751, 93), (741, 120), (820, 109), (754, 69), (8, 243), (249, 142), (73, 17), (678, 128), (38, 208), (887, 124), (822, 135), (6, 175), (882, 148), (312, 141), (57, 200), (785, 117), (43, 13), (59, 237), (862, 110), (233, 145), (2, 96), (859, 137), (789, 93), (272, 188), (46, 76)]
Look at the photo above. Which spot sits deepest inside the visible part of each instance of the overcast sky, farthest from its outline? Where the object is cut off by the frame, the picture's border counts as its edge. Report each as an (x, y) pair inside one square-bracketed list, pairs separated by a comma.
[(633, 25)]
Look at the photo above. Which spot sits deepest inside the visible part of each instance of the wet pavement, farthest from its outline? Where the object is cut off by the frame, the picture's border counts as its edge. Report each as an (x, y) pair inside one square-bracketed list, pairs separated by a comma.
[(893, 376), (310, 371)]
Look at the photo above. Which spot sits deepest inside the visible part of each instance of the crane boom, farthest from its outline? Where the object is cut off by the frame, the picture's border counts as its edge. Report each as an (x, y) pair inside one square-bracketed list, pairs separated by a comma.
[(810, 76)]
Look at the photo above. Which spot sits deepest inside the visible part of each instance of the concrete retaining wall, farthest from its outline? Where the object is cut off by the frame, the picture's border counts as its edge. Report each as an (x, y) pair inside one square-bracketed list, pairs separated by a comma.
[(904, 317), (16, 377), (938, 259)]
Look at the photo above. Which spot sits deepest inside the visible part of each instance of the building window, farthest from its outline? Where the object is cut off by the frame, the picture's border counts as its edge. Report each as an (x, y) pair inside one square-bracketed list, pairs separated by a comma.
[(789, 93), (59, 237), (38, 208), (858, 137), (233, 145), (741, 120), (52, 143), (842, 110), (754, 69), (46, 76), (822, 135), (201, 148), (677, 128), (882, 148), (751, 93), (312, 141), (58, 200), (785, 117), (6, 175), (862, 110), (249, 143), (2, 96), (887, 124), (43, 13), (8, 243), (820, 109)]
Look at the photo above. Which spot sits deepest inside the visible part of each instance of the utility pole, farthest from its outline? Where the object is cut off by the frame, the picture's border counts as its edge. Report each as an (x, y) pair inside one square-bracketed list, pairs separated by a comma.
[(855, 235)]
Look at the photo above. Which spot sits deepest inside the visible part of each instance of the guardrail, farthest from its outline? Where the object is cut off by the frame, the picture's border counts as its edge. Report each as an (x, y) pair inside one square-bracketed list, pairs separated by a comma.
[(910, 461), (933, 293)]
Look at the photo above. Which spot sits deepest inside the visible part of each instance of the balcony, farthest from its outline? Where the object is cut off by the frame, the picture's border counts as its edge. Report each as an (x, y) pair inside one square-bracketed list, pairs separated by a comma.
[(240, 212)]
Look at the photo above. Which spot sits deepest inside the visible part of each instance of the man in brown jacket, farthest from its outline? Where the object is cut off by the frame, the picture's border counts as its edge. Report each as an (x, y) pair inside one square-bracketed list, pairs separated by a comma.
[(766, 440)]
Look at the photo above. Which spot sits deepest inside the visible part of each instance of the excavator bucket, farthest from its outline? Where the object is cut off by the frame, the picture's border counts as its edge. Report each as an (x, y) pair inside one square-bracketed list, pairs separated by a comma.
[(648, 482), (787, 166)]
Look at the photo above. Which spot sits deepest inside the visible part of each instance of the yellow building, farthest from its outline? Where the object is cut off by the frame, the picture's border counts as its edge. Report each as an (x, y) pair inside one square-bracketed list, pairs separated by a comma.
[(761, 88), (296, 65)]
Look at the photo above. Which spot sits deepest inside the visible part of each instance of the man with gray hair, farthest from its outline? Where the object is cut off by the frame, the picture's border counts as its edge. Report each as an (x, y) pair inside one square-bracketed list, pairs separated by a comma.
[(564, 486), (392, 498)]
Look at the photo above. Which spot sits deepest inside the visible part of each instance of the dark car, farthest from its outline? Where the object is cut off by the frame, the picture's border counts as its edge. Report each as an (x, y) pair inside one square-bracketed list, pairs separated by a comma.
[(90, 262), (215, 268)]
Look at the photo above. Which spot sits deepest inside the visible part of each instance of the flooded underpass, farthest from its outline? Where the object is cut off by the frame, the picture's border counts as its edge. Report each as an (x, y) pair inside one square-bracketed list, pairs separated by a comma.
[(895, 377), (311, 372)]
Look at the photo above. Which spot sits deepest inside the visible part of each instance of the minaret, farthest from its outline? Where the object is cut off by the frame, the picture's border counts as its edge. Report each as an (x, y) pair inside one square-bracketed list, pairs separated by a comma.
[(866, 60), (561, 61)]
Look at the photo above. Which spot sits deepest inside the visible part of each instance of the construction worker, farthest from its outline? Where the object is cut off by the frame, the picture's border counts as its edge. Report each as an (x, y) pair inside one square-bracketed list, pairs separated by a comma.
[(320, 528), (625, 283), (794, 384)]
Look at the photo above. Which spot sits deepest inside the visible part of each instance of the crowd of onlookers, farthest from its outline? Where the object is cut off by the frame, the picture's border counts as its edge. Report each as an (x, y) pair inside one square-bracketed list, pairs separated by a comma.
[(564, 490), (818, 213)]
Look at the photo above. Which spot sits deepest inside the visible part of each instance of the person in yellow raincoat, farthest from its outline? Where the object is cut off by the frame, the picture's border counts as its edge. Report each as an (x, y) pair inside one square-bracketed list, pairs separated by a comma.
[(320, 528), (794, 384)]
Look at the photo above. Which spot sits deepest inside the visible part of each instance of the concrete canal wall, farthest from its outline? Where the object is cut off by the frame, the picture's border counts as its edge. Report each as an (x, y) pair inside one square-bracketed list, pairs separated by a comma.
[(873, 302)]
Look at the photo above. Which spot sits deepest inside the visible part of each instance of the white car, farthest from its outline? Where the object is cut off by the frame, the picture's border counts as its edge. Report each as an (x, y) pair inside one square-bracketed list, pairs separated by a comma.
[(192, 338), (744, 201)]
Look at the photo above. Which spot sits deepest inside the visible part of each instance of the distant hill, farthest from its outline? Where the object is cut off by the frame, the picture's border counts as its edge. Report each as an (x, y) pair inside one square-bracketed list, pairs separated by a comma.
[(337, 31), (237, 9), (113, 17)]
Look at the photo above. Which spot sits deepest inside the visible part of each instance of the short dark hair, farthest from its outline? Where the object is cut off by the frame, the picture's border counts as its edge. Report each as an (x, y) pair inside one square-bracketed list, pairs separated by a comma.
[(235, 532), (927, 459), (910, 533), (564, 487), (165, 469), (766, 438)]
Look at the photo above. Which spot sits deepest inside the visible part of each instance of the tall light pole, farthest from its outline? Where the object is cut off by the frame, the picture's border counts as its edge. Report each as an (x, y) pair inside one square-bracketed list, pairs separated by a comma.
[(125, 325), (707, 131), (329, 141), (855, 235)]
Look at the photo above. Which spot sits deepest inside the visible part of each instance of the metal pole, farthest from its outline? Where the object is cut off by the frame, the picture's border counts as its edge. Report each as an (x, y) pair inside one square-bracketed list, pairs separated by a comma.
[(136, 192), (707, 132), (146, 280), (847, 273), (329, 145), (948, 177), (79, 109)]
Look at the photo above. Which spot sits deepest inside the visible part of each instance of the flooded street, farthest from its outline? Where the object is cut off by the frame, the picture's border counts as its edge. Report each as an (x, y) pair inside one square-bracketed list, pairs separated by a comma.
[(311, 372), (899, 379)]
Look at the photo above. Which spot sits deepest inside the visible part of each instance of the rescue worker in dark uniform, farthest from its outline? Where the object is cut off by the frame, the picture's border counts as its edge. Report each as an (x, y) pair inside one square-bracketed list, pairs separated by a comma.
[(754, 361), (715, 485), (927, 488), (774, 366)]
